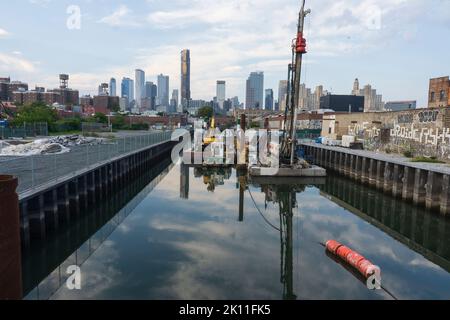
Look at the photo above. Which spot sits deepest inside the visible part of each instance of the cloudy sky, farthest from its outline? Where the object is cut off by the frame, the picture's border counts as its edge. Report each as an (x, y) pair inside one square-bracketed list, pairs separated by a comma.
[(395, 45)]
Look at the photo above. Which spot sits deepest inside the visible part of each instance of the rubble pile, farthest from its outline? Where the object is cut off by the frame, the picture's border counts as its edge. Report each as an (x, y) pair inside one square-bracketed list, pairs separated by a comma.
[(76, 140), (56, 145)]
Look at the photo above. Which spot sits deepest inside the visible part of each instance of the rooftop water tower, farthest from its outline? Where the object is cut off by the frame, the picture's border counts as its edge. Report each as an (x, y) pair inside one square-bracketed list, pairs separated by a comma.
[(63, 81)]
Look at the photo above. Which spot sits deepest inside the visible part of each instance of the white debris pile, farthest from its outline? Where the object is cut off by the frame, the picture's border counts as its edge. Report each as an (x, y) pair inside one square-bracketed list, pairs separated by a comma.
[(76, 140), (57, 145)]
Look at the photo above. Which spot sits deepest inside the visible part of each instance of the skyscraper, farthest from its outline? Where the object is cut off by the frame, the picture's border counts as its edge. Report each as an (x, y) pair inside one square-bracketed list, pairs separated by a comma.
[(140, 86), (163, 90), (254, 98), (318, 93), (356, 90), (235, 104), (174, 101), (282, 95), (221, 93), (151, 92), (103, 89), (113, 87), (128, 89), (269, 100), (185, 78)]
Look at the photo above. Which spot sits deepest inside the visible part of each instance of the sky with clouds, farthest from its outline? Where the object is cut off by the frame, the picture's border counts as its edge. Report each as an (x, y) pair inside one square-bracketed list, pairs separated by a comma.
[(395, 45)]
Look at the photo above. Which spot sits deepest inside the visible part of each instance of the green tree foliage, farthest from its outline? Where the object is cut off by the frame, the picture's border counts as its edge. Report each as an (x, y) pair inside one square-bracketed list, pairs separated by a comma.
[(118, 122), (205, 113), (115, 108), (67, 125), (140, 126), (99, 118), (35, 112)]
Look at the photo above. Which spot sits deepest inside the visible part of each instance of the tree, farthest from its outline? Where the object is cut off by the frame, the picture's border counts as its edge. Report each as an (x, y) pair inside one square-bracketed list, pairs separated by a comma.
[(99, 117), (115, 108), (68, 124), (205, 113), (118, 122), (35, 112)]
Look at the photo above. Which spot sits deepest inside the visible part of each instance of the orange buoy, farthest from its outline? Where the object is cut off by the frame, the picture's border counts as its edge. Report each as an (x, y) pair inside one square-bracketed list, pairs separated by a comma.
[(352, 258)]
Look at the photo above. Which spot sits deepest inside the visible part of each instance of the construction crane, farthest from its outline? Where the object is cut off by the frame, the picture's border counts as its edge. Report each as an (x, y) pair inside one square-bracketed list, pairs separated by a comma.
[(294, 77)]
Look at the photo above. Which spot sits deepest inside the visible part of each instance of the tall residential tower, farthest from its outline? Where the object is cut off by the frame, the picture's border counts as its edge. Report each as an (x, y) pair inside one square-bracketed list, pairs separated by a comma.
[(221, 93), (185, 78), (139, 87), (254, 97), (163, 90)]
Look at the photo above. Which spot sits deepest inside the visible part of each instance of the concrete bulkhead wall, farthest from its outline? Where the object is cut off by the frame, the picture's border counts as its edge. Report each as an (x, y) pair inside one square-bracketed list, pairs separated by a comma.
[(421, 132)]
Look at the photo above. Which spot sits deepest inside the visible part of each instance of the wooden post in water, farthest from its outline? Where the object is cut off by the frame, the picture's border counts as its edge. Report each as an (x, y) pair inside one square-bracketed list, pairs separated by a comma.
[(10, 250)]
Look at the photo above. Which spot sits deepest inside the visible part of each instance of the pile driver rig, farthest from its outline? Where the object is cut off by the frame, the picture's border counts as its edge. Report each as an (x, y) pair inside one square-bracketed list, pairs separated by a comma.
[(289, 139)]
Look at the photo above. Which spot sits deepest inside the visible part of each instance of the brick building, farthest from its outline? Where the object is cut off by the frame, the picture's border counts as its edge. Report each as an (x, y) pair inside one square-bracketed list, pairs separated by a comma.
[(105, 104), (439, 92), (39, 95)]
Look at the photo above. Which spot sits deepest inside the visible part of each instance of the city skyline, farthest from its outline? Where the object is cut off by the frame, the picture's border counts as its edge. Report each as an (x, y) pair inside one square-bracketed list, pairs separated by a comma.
[(234, 49)]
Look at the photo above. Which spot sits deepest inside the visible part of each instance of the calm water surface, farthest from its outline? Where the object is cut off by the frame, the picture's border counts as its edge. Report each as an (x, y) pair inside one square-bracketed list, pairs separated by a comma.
[(185, 237)]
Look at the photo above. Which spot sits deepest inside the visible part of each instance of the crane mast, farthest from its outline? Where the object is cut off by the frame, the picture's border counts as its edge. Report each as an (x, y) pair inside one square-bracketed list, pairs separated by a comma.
[(298, 50)]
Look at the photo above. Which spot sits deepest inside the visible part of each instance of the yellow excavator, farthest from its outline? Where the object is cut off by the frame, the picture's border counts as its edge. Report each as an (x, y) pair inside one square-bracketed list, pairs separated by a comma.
[(210, 136)]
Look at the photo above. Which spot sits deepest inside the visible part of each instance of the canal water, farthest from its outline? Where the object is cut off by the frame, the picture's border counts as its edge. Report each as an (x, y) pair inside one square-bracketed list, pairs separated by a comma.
[(193, 233)]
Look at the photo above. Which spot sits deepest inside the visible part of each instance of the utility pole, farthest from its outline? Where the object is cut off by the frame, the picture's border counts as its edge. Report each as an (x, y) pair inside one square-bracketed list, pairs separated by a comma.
[(299, 50)]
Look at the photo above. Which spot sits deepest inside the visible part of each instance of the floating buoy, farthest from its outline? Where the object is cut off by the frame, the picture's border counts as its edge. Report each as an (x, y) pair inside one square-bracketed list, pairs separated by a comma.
[(355, 263), (352, 258)]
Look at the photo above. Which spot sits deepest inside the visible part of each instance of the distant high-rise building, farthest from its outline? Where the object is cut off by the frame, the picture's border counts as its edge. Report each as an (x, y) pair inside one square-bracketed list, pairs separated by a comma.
[(139, 86), (103, 89), (268, 105), (282, 95), (123, 104), (113, 87), (373, 102), (128, 89), (174, 102), (255, 91), (151, 93), (400, 105), (235, 102), (163, 90), (356, 90), (221, 93), (310, 100), (185, 78)]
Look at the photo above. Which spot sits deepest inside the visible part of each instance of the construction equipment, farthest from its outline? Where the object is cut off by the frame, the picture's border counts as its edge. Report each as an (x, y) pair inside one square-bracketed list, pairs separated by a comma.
[(290, 165), (211, 133), (294, 77)]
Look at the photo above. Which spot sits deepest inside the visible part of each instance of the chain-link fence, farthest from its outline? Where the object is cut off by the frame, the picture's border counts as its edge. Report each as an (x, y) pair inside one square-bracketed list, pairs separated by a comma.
[(34, 171), (26, 130), (90, 127)]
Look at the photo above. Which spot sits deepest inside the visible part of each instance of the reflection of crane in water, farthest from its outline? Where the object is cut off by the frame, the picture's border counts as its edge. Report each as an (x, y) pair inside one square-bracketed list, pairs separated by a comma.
[(286, 198), (282, 194)]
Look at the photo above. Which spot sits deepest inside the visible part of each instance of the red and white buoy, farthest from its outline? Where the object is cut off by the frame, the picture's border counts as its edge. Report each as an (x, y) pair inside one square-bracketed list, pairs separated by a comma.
[(366, 268)]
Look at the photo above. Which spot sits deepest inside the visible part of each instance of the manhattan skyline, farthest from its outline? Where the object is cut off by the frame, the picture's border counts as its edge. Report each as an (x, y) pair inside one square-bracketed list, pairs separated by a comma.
[(228, 40)]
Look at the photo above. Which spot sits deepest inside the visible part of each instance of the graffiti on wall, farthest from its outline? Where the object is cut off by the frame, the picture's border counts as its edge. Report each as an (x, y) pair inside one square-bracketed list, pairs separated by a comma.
[(364, 130), (309, 124), (426, 136), (428, 116)]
